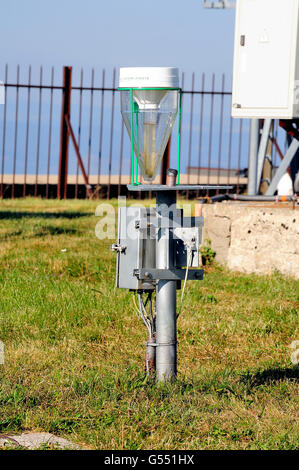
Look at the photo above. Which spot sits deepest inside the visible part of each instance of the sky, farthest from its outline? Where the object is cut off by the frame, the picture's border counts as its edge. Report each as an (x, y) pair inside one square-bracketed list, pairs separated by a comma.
[(109, 34), (103, 33)]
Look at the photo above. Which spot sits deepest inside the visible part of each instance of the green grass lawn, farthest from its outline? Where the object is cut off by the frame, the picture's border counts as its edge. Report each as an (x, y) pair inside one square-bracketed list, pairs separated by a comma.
[(74, 358)]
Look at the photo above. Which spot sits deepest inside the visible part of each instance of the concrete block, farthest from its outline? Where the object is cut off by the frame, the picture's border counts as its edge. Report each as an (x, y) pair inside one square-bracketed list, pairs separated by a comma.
[(254, 239)]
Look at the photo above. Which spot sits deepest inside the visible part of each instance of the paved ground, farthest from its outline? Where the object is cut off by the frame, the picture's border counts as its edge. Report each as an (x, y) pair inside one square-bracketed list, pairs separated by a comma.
[(37, 440)]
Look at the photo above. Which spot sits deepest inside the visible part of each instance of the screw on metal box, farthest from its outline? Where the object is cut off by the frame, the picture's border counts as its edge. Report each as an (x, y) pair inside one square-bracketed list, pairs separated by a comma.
[(157, 248)]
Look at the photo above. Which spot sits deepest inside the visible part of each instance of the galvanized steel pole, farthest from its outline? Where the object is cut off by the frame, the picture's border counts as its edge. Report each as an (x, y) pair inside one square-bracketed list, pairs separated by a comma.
[(166, 333), (253, 153)]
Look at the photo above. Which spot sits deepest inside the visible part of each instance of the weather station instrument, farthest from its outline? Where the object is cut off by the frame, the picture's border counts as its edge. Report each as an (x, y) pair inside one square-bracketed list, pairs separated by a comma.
[(158, 247)]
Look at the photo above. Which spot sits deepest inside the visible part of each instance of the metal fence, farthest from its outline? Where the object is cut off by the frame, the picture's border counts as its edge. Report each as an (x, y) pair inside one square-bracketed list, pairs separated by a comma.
[(214, 147)]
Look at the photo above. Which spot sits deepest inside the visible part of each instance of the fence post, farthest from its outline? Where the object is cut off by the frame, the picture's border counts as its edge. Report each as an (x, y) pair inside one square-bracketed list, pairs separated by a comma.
[(64, 133), (165, 162)]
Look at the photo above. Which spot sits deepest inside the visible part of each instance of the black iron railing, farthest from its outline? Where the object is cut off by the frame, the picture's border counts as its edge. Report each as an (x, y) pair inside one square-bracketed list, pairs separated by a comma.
[(37, 156)]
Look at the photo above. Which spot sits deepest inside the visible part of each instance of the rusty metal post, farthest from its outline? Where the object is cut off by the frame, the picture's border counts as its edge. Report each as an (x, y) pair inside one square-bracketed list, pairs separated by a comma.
[(150, 356), (165, 162), (64, 133)]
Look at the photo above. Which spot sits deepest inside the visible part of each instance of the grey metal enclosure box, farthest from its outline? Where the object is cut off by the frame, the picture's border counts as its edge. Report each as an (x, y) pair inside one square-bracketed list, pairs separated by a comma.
[(137, 243), (139, 247)]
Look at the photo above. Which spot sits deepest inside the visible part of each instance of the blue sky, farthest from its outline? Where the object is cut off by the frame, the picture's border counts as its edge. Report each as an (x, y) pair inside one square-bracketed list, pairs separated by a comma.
[(103, 34), (113, 33)]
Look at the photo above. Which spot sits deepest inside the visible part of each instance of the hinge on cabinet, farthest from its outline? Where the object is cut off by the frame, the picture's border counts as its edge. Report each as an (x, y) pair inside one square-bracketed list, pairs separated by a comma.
[(242, 40)]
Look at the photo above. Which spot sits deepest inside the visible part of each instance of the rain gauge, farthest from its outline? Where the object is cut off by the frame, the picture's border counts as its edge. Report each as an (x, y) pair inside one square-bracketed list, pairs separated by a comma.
[(150, 101), (157, 248)]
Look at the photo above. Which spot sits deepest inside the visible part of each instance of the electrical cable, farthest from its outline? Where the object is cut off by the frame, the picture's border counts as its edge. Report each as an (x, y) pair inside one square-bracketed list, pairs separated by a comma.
[(140, 313), (145, 320), (136, 309), (147, 316)]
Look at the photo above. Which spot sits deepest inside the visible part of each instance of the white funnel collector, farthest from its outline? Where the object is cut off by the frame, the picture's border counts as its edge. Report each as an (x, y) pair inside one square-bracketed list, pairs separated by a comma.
[(149, 105)]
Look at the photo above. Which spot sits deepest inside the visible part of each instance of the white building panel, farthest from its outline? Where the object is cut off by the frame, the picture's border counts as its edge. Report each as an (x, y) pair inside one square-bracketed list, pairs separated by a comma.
[(266, 60)]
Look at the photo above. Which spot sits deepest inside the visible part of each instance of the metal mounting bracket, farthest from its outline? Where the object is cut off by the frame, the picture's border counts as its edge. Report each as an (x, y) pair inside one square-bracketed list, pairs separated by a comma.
[(168, 274), (118, 248)]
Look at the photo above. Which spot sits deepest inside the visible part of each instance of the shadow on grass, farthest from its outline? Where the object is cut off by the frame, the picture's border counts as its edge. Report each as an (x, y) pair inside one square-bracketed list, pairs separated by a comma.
[(43, 215), (270, 375), (50, 230), (42, 232)]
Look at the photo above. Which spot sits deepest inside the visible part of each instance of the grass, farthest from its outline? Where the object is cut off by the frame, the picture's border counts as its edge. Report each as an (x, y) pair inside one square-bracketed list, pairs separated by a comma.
[(74, 350)]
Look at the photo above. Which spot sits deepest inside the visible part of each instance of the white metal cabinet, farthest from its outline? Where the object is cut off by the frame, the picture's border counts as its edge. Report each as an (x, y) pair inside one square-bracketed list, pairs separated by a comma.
[(266, 59)]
